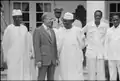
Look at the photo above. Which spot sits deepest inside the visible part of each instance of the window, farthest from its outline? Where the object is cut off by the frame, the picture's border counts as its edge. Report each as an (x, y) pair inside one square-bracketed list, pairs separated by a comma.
[(114, 7), (24, 7), (40, 9)]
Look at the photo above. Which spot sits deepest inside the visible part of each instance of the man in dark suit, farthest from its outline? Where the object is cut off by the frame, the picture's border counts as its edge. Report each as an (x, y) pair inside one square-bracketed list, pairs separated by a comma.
[(45, 48)]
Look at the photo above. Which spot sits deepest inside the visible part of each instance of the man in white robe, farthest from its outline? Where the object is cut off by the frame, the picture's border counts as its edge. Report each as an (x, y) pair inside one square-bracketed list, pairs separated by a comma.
[(16, 49), (112, 45), (95, 35), (70, 43)]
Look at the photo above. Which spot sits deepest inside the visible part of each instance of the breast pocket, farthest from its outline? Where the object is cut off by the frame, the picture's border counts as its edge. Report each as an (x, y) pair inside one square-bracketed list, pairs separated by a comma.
[(91, 33)]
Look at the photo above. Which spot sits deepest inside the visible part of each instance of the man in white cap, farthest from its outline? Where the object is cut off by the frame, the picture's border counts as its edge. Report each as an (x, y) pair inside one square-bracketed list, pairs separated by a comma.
[(16, 49), (70, 43)]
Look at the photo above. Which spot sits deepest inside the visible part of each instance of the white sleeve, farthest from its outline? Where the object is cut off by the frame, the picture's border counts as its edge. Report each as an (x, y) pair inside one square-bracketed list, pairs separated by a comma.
[(106, 43), (30, 40), (84, 30), (6, 42), (81, 38)]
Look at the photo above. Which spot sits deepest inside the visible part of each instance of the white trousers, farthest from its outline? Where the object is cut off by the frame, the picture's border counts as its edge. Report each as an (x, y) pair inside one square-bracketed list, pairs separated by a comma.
[(114, 67), (96, 69)]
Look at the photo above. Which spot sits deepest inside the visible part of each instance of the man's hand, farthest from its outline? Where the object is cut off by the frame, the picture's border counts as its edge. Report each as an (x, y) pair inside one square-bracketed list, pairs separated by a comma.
[(39, 64), (32, 57)]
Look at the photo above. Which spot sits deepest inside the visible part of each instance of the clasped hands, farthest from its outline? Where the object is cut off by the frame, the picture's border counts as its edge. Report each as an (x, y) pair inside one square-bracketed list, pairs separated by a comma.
[(39, 64)]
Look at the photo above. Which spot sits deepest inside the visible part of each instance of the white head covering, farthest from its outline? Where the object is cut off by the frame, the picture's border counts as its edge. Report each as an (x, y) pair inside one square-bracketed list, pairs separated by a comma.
[(68, 16), (16, 12)]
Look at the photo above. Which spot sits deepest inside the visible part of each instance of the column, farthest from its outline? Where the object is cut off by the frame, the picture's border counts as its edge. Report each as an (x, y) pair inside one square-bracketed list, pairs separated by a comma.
[(92, 6)]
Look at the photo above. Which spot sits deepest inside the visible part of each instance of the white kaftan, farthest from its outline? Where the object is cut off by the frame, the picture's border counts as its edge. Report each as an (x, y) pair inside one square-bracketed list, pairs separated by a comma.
[(16, 52), (70, 46)]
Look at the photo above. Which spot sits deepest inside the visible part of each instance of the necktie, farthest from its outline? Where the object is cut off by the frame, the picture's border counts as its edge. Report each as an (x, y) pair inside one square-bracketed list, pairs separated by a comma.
[(58, 21), (49, 32)]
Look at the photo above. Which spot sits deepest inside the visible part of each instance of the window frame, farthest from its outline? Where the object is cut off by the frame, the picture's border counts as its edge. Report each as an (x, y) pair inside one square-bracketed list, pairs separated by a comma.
[(109, 12)]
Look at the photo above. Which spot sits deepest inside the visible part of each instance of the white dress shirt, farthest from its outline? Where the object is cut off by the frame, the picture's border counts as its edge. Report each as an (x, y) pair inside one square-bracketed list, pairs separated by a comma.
[(56, 24), (47, 29), (95, 39)]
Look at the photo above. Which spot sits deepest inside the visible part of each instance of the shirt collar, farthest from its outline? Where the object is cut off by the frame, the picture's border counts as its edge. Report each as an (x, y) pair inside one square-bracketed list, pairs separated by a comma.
[(45, 26), (56, 19), (117, 27), (93, 23)]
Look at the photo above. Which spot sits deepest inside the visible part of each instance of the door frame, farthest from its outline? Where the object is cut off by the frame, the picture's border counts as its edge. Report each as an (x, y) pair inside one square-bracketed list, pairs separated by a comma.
[(32, 11)]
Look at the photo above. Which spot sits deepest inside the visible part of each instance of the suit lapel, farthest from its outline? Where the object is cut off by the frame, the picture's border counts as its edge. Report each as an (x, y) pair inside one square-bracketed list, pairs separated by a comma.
[(52, 35), (46, 34)]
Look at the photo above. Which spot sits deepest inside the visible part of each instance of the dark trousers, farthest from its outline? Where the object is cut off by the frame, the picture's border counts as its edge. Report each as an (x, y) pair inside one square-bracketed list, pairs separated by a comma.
[(49, 69), (84, 62), (107, 71)]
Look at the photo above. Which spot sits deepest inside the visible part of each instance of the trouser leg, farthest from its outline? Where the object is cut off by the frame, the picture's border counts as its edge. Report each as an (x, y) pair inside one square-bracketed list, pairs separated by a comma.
[(106, 65), (112, 70), (42, 73), (100, 70), (50, 72), (91, 63), (118, 66)]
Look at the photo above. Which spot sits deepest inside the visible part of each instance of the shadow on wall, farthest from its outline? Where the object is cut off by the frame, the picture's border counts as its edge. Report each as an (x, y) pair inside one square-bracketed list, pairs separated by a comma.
[(80, 14)]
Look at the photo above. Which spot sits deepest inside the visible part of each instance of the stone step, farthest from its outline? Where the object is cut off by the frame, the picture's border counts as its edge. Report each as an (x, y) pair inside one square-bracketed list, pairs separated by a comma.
[(4, 75)]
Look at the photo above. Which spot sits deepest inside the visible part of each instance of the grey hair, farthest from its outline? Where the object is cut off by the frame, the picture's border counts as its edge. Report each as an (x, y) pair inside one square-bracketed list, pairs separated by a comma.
[(45, 15)]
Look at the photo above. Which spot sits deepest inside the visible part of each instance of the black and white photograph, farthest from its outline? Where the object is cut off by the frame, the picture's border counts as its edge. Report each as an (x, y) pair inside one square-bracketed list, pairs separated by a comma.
[(60, 40)]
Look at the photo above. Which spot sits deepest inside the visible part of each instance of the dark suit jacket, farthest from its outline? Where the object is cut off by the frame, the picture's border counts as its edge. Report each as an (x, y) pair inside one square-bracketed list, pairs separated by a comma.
[(45, 47)]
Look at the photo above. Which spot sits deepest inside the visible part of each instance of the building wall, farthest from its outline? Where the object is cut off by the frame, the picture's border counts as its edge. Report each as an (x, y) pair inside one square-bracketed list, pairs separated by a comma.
[(92, 6), (6, 7), (69, 6)]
